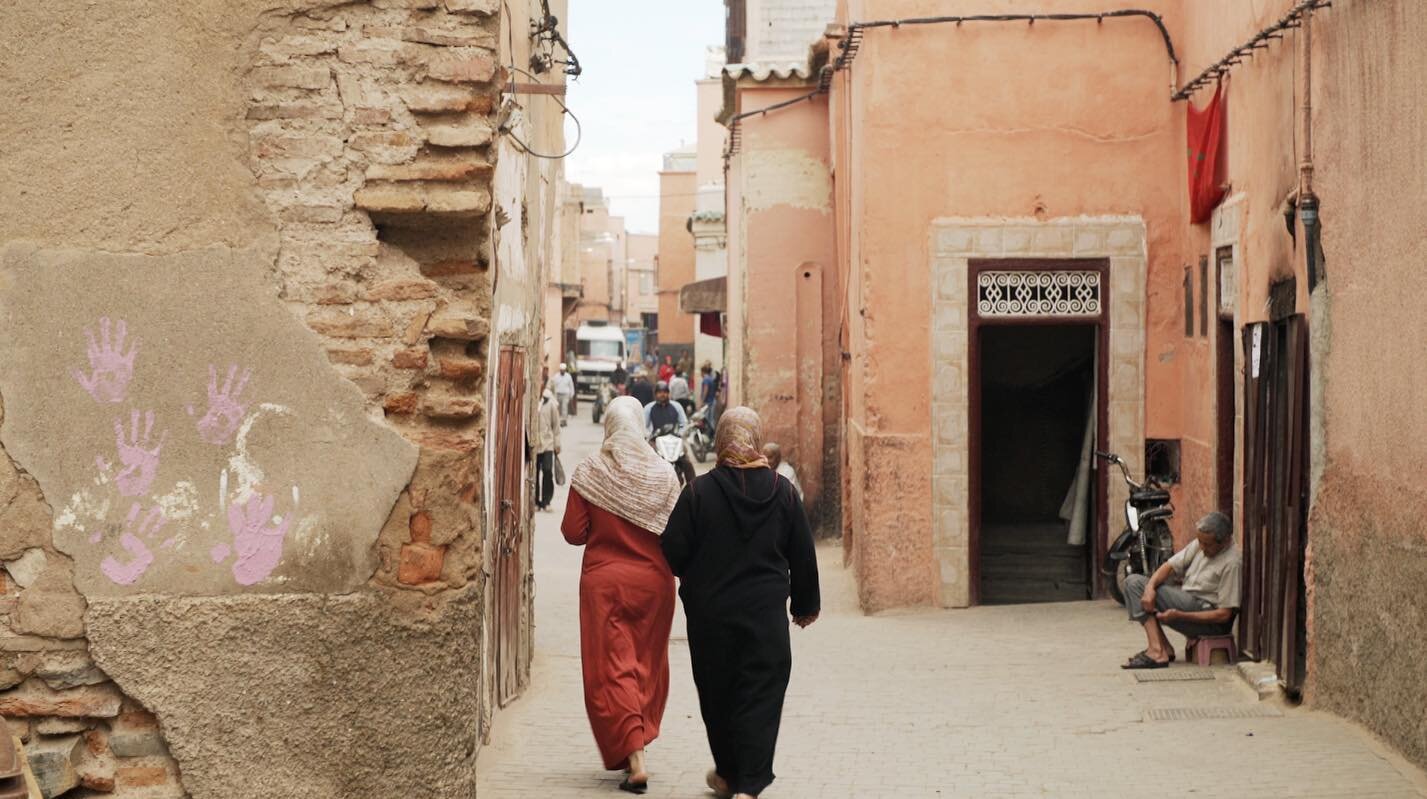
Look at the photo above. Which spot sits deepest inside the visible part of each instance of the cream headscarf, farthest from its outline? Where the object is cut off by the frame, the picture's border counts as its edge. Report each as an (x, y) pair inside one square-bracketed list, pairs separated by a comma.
[(739, 440), (626, 477)]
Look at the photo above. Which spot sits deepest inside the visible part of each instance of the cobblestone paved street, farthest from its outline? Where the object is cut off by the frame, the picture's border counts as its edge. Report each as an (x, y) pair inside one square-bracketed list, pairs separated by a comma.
[(1015, 701)]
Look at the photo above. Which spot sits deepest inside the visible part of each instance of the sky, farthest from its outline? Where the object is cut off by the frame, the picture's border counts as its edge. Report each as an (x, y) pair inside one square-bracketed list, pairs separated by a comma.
[(636, 99)]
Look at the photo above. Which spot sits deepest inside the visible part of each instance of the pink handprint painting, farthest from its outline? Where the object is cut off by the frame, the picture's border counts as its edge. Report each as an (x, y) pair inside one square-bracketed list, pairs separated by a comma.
[(225, 410), (137, 535), (111, 367), (138, 454), (257, 538)]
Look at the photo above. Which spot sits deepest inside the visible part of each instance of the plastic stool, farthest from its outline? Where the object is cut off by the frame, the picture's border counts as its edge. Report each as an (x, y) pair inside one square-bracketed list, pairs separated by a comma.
[(1201, 650)]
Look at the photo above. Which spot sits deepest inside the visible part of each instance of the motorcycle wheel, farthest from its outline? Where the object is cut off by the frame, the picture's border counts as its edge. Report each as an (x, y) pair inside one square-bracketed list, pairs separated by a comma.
[(1116, 587), (701, 452), (686, 472), (596, 412)]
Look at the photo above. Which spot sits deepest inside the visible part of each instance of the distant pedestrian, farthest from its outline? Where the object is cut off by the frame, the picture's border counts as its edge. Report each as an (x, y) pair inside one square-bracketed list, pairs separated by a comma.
[(564, 393), (679, 392), (774, 454), (666, 369), (545, 441), (741, 546), (620, 500), (708, 390), (640, 388)]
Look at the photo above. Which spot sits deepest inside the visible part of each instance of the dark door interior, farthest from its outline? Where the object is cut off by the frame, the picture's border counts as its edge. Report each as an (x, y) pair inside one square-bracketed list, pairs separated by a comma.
[(1036, 393)]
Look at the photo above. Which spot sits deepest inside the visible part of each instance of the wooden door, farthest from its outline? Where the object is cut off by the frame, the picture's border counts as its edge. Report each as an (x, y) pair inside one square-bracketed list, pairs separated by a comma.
[(509, 432), (1276, 495)]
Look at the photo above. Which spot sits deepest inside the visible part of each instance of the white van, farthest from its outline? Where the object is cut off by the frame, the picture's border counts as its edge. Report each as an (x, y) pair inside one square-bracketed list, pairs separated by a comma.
[(599, 348)]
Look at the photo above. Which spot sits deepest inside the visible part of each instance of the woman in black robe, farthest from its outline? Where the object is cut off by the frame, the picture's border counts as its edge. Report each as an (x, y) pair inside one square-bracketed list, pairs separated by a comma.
[(740, 543)]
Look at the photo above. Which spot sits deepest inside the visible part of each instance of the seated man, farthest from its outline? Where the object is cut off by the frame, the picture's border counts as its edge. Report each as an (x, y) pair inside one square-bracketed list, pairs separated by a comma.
[(1204, 604), (774, 454)]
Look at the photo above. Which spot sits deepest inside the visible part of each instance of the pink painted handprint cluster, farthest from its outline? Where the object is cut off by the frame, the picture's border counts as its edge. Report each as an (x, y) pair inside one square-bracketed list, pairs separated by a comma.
[(257, 535), (139, 533), (257, 538), (111, 367)]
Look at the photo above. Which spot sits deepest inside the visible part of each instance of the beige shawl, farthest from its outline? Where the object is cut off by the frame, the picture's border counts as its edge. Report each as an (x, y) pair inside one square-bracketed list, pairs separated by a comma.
[(739, 439), (627, 477)]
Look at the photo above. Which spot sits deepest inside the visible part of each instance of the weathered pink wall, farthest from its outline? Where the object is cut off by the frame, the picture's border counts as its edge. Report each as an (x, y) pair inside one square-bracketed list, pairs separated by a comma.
[(789, 302), (676, 255), (990, 126)]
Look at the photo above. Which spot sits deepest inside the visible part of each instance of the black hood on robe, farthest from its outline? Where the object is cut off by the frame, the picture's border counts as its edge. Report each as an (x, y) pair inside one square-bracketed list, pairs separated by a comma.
[(753, 497)]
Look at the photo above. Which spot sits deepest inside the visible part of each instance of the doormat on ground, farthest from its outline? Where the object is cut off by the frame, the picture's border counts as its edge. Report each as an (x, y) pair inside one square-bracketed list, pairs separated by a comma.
[(1173, 675), (1207, 713)]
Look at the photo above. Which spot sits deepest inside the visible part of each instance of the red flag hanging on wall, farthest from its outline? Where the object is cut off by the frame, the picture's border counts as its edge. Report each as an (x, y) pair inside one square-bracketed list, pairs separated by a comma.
[(1206, 130)]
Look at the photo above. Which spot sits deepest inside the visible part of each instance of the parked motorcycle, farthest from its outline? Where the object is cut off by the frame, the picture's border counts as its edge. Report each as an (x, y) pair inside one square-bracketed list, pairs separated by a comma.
[(699, 437), (1147, 542), (670, 447)]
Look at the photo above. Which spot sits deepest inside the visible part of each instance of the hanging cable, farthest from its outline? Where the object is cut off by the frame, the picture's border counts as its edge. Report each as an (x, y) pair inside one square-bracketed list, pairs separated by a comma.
[(526, 148), (1259, 41), (547, 30), (851, 45)]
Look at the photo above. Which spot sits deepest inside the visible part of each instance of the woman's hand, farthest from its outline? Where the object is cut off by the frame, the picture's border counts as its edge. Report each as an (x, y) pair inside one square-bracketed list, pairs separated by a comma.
[(805, 621)]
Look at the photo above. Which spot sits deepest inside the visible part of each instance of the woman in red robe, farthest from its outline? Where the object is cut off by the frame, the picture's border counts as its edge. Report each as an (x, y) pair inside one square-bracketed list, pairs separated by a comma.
[(619, 503)]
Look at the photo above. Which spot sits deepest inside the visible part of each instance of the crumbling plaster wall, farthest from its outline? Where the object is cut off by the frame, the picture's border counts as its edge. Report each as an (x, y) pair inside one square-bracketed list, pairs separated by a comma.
[(338, 155)]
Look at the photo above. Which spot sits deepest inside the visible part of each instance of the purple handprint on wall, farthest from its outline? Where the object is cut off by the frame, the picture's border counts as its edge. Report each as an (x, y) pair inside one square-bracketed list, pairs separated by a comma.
[(137, 531), (138, 454), (257, 537), (111, 367), (225, 412)]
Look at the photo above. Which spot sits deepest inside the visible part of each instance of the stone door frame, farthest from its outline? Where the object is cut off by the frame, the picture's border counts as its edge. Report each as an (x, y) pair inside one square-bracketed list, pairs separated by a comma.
[(955, 242)]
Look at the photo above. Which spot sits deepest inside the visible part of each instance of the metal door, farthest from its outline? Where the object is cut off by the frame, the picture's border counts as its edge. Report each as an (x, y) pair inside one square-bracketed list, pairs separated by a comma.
[(510, 519), (1276, 495)]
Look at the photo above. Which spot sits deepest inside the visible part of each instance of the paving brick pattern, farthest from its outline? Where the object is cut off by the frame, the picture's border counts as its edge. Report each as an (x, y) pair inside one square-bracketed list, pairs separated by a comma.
[(1022, 701)]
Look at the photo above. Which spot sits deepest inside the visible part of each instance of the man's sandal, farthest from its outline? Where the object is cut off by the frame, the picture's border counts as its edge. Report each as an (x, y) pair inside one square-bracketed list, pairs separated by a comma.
[(1144, 661), (1146, 653)]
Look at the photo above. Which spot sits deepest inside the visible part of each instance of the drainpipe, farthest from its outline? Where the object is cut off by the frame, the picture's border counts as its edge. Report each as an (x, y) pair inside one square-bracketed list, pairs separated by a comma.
[(1307, 200)]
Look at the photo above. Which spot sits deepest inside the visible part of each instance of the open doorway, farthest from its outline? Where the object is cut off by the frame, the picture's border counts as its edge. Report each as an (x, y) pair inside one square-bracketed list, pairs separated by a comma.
[(1036, 386)]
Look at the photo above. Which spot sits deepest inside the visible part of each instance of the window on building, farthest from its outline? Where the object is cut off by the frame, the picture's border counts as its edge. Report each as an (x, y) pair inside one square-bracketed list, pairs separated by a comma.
[(1188, 302), (646, 283)]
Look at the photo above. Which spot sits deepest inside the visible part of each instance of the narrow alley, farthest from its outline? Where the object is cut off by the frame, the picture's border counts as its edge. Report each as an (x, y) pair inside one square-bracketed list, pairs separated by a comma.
[(1008, 701)]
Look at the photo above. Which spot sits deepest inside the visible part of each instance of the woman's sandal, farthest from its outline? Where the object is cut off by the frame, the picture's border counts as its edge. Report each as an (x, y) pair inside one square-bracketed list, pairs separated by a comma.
[(629, 786), (1142, 660)]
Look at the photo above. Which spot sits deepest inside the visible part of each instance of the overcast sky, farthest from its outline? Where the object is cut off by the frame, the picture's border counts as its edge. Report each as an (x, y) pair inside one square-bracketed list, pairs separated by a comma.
[(636, 98)]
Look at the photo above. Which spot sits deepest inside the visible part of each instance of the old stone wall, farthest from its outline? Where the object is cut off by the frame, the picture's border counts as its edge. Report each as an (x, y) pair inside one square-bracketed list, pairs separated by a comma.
[(217, 549)]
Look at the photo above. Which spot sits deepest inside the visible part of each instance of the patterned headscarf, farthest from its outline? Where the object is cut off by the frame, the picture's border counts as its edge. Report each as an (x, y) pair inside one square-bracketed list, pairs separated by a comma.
[(627, 477), (739, 440)]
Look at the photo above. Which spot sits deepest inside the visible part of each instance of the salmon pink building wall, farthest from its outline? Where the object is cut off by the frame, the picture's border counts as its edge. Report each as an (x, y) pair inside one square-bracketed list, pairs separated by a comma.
[(1044, 122), (788, 297), (677, 189), (1368, 429)]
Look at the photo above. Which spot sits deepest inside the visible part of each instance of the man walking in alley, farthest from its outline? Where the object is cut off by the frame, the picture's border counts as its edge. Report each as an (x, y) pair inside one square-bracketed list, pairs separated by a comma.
[(774, 454), (1204, 604), (639, 386), (564, 393), (545, 440), (708, 392)]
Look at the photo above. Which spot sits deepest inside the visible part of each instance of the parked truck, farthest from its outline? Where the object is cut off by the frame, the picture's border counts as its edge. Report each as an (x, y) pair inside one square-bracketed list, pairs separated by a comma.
[(599, 349)]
